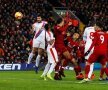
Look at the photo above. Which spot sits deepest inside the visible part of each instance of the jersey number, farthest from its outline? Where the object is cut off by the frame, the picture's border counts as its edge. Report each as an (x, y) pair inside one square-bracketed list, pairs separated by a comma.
[(91, 35), (102, 38)]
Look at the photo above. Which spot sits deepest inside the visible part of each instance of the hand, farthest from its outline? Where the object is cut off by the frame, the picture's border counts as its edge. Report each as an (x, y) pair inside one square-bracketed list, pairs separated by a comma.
[(87, 53)]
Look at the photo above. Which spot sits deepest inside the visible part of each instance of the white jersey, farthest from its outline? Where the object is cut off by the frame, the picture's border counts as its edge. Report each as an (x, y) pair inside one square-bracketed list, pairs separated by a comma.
[(37, 27), (88, 37), (51, 37), (51, 51)]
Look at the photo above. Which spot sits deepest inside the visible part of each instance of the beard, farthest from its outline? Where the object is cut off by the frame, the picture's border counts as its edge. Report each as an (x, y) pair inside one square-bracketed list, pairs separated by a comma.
[(39, 21)]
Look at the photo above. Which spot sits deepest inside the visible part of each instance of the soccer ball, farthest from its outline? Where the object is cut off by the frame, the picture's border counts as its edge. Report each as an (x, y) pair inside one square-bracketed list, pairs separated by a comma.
[(18, 15)]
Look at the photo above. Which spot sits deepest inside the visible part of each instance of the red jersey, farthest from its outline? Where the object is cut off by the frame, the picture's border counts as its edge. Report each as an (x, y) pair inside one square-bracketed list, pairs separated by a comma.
[(60, 33), (71, 44), (100, 41)]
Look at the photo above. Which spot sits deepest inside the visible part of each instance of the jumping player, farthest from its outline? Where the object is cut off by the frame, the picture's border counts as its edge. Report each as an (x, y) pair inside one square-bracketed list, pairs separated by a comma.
[(38, 41)]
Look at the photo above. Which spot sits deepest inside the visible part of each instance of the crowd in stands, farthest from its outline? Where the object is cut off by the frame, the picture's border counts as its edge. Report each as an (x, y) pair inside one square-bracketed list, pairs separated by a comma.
[(87, 10), (15, 35)]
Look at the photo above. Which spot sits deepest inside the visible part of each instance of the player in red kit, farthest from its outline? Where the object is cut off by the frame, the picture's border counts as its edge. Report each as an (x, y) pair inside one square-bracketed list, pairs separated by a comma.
[(100, 44), (60, 33), (73, 48)]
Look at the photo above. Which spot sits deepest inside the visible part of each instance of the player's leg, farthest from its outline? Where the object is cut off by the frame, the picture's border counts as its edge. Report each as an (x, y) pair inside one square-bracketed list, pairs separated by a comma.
[(80, 76), (53, 59), (51, 70), (57, 67), (34, 50), (38, 58), (90, 75), (91, 60), (41, 47), (46, 69), (103, 69), (69, 57), (64, 63)]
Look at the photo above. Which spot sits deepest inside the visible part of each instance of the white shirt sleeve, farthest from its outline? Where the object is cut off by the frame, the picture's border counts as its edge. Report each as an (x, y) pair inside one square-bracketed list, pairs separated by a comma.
[(47, 36), (85, 35), (34, 27), (52, 36)]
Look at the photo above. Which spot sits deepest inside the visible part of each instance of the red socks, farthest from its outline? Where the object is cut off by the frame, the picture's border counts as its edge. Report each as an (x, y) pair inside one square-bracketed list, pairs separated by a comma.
[(102, 72), (76, 70), (106, 71), (87, 69)]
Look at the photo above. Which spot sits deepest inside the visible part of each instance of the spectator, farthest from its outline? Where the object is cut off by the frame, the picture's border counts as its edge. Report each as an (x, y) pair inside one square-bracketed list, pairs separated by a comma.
[(1, 54)]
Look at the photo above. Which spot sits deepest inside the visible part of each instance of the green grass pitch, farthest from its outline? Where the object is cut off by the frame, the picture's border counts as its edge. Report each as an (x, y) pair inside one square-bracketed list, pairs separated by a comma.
[(28, 80)]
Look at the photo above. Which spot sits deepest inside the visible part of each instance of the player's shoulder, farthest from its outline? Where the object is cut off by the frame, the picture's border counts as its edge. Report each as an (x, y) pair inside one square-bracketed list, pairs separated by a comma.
[(100, 32), (45, 22), (34, 24), (56, 27), (89, 28)]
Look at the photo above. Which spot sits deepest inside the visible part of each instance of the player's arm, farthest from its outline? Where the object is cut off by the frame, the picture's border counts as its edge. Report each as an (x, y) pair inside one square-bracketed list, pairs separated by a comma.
[(33, 28), (85, 36), (64, 28), (48, 39), (53, 39)]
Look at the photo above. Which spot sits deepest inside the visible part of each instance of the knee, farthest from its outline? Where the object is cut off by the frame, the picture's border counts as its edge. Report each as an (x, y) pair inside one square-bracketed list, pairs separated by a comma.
[(88, 63)]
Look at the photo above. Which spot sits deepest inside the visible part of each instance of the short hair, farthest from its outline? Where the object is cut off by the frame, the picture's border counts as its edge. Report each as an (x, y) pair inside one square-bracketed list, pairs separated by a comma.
[(99, 24), (46, 27), (39, 15), (59, 20)]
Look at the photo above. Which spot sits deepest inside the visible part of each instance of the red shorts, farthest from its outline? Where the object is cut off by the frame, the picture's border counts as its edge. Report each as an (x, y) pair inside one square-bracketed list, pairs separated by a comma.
[(98, 55), (60, 49)]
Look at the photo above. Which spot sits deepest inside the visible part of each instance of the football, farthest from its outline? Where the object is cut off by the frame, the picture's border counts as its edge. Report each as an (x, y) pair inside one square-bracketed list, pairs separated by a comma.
[(18, 15)]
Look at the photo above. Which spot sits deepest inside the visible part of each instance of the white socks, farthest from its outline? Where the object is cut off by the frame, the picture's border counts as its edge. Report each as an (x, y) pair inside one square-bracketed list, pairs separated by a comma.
[(51, 68), (30, 57), (91, 70), (47, 67), (38, 60)]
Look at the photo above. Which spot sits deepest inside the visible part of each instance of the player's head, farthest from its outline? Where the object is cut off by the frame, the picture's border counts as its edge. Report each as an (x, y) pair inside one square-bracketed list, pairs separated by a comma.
[(39, 18), (60, 22), (75, 36), (47, 27), (98, 26)]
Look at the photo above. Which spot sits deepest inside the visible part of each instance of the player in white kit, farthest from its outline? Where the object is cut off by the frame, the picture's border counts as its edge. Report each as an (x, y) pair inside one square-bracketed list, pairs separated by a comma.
[(38, 41), (52, 55), (88, 37)]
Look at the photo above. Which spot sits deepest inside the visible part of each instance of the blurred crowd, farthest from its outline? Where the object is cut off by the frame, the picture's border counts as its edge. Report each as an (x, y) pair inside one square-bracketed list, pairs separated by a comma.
[(15, 35), (88, 10)]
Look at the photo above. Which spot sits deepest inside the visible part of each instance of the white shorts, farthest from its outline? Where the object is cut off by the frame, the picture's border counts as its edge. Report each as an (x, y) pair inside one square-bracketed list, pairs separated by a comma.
[(38, 44), (52, 55), (86, 49)]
